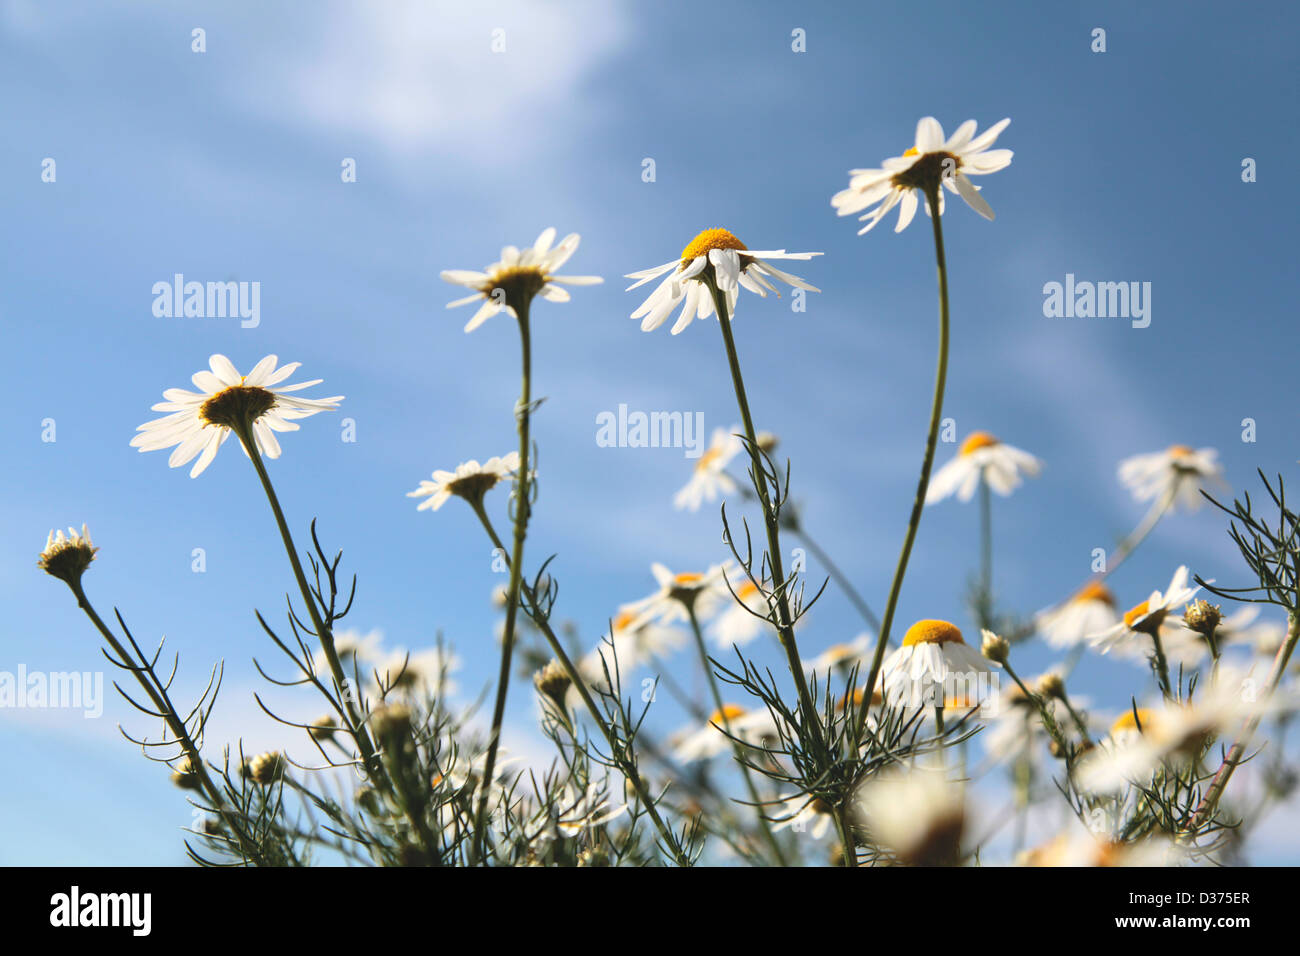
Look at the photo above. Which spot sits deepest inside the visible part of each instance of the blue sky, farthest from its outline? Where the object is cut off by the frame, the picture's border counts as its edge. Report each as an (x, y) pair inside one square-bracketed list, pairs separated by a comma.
[(225, 165)]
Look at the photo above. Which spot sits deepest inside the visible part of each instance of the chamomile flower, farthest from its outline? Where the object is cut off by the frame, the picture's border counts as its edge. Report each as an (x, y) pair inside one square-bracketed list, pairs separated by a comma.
[(981, 456), (919, 815), (704, 592), (1078, 847), (841, 656), (755, 727), (67, 558), (1147, 617), (934, 664), (930, 161), (1090, 610), (512, 282), (635, 639), (717, 256), (803, 814), (710, 479), (1177, 474), (199, 422), (744, 619), (470, 481)]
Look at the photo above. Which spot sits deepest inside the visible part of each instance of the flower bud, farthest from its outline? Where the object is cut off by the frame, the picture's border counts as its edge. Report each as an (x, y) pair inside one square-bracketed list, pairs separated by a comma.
[(997, 649), (1203, 617)]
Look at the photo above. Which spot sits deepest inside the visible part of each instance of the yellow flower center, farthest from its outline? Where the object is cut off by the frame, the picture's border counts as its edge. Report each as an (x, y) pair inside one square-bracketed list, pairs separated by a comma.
[(912, 151), (729, 712), (746, 590), (976, 441), (1137, 613), (624, 620), (709, 240), (932, 632), (855, 699), (687, 579), (1181, 451), (517, 283), (1095, 591), (1127, 721), (707, 459)]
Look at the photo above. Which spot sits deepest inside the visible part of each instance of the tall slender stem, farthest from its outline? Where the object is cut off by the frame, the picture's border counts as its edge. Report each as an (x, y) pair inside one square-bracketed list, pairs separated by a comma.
[(1238, 751), (763, 823), (356, 727), (623, 761), (160, 699), (927, 462), (785, 621), (522, 503)]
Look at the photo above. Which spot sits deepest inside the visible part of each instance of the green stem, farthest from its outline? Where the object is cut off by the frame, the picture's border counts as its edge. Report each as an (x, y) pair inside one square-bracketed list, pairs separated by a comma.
[(927, 462), (522, 502), (1161, 664), (162, 702), (356, 727), (785, 621), (623, 761), (763, 823)]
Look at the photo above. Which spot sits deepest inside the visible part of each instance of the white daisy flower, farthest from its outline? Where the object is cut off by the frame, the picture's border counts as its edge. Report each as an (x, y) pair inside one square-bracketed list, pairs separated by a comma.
[(1177, 474), (710, 479), (1147, 617), (1240, 629), (738, 625), (706, 593), (981, 456), (754, 727), (842, 656), (517, 277), (718, 254), (200, 422), (930, 160), (1078, 847), (418, 672), (637, 639), (67, 558), (470, 481), (803, 814), (935, 665), (919, 815), (1089, 611)]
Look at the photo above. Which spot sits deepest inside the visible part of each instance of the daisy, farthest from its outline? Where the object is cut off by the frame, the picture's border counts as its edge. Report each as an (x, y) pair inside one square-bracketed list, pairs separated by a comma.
[(637, 639), (918, 815), (1089, 611), (755, 727), (1078, 847), (710, 478), (250, 405), (744, 620), (1147, 617), (927, 163), (679, 593), (933, 664), (1176, 475), (67, 558), (418, 672), (981, 457), (841, 656), (714, 256), (470, 481), (511, 283), (803, 814)]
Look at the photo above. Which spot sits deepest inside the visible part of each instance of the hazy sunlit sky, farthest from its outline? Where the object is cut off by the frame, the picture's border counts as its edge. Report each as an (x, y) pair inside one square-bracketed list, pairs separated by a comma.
[(225, 165)]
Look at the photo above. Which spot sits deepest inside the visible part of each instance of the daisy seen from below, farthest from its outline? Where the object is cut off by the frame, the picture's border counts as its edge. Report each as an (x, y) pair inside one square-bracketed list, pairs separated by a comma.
[(930, 160), (67, 558), (841, 656), (253, 406), (635, 639), (470, 481), (681, 593), (713, 258), (510, 283), (1147, 617), (1173, 477), (754, 727), (744, 619), (934, 665), (710, 480), (1091, 610), (982, 458)]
